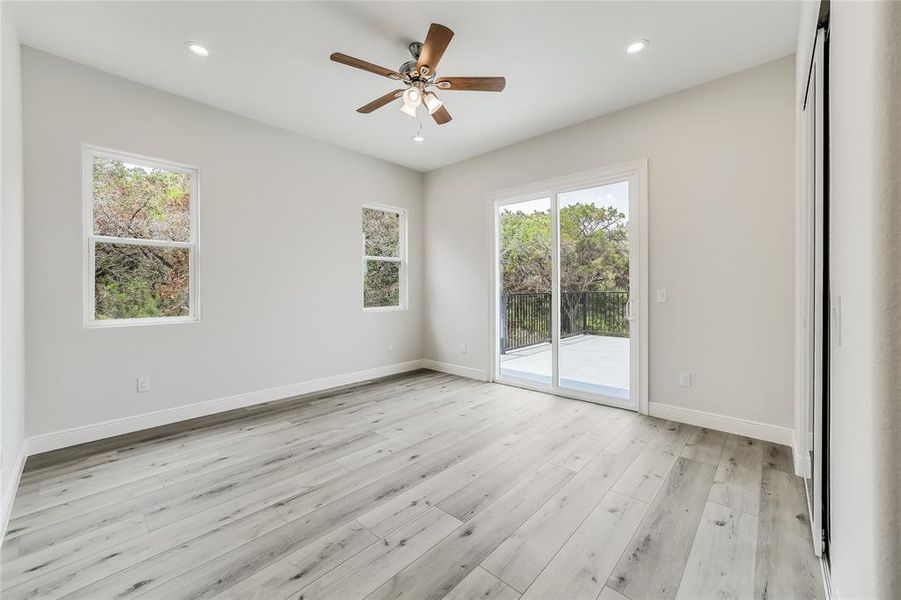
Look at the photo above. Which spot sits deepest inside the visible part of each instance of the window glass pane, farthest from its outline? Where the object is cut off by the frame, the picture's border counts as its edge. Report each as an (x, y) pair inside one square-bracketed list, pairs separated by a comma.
[(524, 306), (140, 202), (140, 281), (594, 290), (382, 284), (381, 232)]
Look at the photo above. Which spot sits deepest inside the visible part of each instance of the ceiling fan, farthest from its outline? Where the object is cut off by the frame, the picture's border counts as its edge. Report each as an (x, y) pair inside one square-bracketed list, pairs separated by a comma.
[(420, 77)]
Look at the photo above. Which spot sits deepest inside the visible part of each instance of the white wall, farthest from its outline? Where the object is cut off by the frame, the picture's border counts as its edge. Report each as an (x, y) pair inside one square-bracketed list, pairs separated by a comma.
[(851, 268), (865, 265), (721, 186), (12, 285), (280, 267)]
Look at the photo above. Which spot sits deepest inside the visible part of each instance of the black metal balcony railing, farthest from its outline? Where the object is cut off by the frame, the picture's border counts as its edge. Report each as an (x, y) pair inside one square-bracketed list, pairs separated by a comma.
[(526, 317)]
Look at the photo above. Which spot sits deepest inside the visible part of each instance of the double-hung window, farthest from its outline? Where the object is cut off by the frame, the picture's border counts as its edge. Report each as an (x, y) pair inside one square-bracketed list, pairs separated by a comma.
[(384, 258), (141, 249)]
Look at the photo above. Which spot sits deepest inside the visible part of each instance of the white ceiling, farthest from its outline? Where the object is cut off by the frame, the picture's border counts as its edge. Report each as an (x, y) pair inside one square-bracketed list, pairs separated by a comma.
[(564, 62)]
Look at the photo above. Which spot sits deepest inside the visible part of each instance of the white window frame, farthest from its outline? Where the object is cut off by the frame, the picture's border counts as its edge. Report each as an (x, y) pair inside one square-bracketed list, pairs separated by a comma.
[(89, 154), (401, 258)]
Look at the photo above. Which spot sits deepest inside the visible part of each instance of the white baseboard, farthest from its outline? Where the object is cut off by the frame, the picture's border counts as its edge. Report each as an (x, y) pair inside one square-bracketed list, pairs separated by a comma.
[(89, 433), (802, 464), (453, 369), (801, 460), (10, 493), (745, 427)]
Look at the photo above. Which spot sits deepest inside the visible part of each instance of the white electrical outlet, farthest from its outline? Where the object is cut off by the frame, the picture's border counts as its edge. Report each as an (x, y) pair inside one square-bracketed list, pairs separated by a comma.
[(390, 346), (661, 296), (462, 348), (144, 383), (685, 379)]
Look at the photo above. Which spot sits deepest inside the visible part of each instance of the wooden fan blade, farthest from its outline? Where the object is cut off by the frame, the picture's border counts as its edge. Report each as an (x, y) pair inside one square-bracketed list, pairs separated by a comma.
[(380, 102), (472, 84), (350, 61), (436, 42), (441, 116)]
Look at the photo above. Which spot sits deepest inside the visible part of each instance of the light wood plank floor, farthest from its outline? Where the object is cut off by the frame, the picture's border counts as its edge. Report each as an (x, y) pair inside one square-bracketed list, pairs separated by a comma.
[(420, 486)]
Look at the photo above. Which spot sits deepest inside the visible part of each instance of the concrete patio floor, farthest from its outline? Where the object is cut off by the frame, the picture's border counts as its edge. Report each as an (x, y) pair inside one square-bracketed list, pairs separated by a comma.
[(590, 363)]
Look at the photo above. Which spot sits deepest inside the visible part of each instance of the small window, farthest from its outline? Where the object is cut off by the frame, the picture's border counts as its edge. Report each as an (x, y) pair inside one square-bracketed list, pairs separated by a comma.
[(141, 224), (384, 258)]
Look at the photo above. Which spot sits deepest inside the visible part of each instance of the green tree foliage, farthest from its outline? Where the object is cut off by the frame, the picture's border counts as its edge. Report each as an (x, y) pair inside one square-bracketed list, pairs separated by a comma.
[(134, 281), (594, 249), (525, 251)]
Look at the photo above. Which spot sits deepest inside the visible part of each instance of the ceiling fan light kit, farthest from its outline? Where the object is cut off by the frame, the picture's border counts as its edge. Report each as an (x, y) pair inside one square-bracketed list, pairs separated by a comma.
[(412, 96), (432, 102), (420, 74)]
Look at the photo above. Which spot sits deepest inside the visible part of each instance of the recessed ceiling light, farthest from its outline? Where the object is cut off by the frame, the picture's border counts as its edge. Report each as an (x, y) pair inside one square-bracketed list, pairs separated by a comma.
[(197, 49), (637, 46)]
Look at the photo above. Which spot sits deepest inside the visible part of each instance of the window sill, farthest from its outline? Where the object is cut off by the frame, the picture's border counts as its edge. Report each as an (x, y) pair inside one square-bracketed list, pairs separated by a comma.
[(114, 323), (378, 309)]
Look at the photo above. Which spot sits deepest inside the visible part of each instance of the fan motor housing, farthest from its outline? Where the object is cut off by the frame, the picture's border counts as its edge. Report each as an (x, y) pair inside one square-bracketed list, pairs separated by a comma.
[(409, 68)]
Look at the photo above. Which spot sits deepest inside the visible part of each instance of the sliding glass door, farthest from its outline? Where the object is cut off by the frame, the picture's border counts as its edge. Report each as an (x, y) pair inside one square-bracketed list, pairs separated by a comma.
[(525, 234), (594, 290), (567, 289)]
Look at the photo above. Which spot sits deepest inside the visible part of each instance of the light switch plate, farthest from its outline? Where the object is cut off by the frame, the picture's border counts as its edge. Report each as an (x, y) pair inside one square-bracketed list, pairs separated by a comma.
[(462, 348), (661, 296)]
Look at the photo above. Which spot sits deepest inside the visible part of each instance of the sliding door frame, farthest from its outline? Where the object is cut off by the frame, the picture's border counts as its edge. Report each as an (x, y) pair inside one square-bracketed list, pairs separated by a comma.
[(636, 173), (813, 297)]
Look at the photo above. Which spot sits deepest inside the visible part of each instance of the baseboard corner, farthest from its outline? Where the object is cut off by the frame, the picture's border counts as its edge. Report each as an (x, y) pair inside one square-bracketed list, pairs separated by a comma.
[(454, 369), (9, 494), (735, 425)]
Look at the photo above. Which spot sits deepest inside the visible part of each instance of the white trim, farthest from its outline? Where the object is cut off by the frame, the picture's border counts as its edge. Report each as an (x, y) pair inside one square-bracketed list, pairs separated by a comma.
[(377, 309), (459, 370), (140, 159), (636, 173), (88, 154), (10, 495), (564, 393), (831, 593), (545, 187), (98, 431), (801, 458), (644, 323), (109, 239), (110, 323), (809, 293), (752, 429), (367, 258)]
